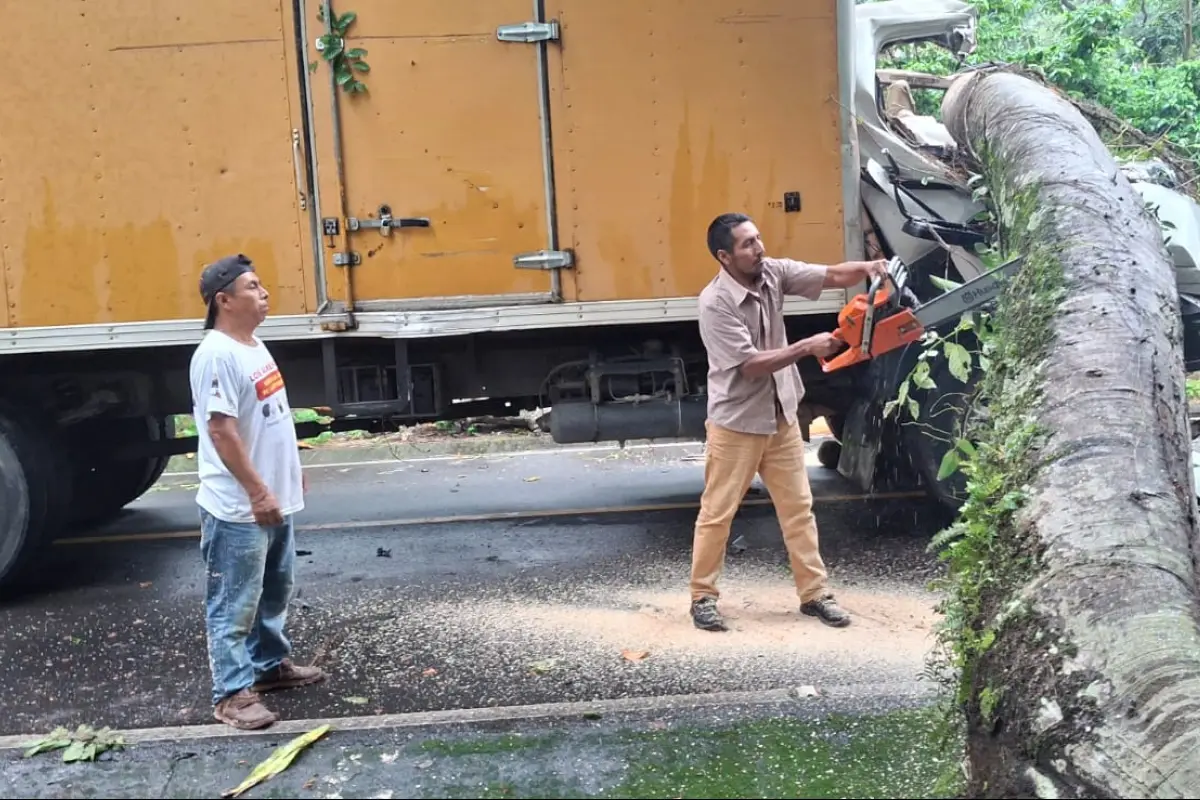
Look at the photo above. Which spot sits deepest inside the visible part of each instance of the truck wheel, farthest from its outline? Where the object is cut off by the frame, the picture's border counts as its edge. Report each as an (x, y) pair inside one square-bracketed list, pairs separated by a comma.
[(829, 453), (103, 487), (930, 437), (34, 491)]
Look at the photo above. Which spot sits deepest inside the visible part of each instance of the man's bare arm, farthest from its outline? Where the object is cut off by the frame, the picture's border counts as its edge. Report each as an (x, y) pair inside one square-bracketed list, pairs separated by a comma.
[(851, 273), (767, 362), (228, 443)]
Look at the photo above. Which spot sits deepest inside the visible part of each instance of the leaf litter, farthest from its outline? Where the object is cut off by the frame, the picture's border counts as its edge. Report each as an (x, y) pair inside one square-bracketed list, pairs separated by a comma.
[(82, 744), (277, 762)]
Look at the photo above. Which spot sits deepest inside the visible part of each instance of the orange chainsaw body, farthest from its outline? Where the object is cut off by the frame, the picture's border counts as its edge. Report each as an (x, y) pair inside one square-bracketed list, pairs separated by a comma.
[(894, 326)]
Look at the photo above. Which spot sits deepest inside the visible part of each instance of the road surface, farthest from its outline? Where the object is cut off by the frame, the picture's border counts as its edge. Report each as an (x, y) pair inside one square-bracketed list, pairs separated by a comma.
[(481, 582)]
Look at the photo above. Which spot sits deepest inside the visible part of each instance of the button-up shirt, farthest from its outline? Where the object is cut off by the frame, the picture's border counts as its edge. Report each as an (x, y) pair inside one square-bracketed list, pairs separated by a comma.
[(735, 323)]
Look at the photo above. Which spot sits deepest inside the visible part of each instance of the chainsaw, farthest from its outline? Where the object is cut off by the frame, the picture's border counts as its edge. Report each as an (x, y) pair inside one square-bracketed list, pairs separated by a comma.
[(885, 319)]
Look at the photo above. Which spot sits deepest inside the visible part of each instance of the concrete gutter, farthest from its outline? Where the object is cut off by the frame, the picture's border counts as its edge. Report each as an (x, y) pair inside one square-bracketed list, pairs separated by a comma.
[(827, 699)]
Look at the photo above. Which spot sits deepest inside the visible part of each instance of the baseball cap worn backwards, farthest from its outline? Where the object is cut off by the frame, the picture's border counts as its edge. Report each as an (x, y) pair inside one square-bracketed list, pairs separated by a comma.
[(217, 277)]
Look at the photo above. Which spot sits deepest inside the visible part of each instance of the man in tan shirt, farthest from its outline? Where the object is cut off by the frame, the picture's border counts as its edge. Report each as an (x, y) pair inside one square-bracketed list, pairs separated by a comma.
[(754, 391)]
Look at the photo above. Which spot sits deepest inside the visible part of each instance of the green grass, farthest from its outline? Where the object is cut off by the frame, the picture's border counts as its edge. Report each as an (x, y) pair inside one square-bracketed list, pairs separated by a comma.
[(900, 754), (185, 424), (488, 745), (889, 756)]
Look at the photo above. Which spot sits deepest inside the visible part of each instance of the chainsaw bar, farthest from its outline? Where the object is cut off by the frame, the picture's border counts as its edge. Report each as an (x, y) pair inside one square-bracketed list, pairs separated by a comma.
[(971, 295)]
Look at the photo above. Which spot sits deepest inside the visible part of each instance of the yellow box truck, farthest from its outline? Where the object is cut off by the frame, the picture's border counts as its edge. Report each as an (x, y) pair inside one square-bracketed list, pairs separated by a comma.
[(449, 200)]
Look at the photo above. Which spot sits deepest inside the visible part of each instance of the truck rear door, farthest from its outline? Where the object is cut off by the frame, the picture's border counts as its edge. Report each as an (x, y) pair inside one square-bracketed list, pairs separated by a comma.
[(442, 157), (669, 112)]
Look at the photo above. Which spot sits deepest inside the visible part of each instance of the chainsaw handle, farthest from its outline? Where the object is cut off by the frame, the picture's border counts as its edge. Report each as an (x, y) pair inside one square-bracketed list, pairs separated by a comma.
[(834, 362), (877, 284)]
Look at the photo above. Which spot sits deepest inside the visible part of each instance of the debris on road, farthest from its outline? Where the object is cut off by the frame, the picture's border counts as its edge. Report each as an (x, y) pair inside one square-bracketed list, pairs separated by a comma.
[(84, 744), (543, 666), (278, 761)]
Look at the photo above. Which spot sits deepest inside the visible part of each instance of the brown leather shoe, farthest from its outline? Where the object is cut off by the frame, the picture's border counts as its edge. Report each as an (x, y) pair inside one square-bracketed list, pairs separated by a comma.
[(288, 676), (244, 711)]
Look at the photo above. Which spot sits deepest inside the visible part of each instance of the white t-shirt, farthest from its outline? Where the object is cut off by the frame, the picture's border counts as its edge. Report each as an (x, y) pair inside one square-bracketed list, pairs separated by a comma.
[(242, 381)]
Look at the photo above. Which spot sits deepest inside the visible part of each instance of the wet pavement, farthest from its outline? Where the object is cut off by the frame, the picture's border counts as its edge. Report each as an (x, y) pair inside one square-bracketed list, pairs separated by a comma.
[(832, 746), (411, 614)]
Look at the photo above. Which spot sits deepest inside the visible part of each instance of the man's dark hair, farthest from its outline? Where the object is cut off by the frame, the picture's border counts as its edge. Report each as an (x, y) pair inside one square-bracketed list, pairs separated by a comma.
[(720, 232)]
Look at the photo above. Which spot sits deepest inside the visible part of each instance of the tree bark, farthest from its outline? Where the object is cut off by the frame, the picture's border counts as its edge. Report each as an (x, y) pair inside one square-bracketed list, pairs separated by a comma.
[(1092, 680)]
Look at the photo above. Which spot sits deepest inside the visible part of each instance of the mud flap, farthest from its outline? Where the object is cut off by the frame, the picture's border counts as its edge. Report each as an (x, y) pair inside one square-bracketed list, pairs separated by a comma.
[(872, 452)]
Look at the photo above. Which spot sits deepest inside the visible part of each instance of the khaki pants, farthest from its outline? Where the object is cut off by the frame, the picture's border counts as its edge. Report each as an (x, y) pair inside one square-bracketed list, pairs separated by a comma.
[(731, 461)]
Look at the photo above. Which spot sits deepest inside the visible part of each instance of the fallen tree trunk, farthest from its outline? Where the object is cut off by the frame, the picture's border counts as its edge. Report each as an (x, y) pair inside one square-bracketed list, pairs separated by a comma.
[(1074, 613)]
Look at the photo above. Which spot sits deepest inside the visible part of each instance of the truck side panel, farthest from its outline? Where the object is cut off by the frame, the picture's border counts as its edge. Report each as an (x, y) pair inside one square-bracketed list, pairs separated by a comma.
[(448, 129), (669, 113), (142, 139)]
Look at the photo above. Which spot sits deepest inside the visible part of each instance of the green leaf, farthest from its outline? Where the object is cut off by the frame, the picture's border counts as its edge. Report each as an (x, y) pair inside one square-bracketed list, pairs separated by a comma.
[(59, 738), (921, 378), (362, 66), (74, 752), (949, 464), (344, 75), (945, 284), (914, 408), (277, 762), (965, 447), (343, 23), (356, 52), (960, 361)]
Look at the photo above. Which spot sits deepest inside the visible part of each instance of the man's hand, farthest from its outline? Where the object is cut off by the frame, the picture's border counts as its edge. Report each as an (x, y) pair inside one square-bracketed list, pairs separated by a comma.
[(824, 345), (265, 507), (876, 269)]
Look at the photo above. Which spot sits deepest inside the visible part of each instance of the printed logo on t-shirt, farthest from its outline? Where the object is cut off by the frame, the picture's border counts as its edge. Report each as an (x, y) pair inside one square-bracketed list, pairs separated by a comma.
[(267, 381), (215, 388)]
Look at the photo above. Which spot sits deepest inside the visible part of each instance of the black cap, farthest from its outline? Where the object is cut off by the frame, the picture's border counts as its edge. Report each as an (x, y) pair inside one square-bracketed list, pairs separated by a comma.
[(217, 277)]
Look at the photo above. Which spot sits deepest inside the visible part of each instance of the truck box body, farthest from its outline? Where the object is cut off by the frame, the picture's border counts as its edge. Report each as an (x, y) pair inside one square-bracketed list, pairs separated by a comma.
[(512, 216), (169, 133)]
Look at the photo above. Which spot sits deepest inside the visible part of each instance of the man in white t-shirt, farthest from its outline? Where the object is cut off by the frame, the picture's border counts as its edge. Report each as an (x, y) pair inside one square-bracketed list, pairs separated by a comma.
[(251, 485)]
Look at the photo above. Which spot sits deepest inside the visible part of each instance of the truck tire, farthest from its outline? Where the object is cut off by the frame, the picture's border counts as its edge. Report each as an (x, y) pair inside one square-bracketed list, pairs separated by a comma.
[(34, 491), (103, 487)]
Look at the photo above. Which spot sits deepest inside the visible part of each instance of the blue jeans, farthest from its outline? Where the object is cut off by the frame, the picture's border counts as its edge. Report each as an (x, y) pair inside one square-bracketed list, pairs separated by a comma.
[(250, 579)]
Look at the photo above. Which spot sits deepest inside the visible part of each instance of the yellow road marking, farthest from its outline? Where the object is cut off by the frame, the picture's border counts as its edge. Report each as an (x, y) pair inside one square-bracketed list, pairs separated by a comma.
[(330, 527)]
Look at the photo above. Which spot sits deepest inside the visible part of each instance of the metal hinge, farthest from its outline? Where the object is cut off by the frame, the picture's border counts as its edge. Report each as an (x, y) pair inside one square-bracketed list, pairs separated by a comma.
[(545, 259), (529, 32), (343, 259)]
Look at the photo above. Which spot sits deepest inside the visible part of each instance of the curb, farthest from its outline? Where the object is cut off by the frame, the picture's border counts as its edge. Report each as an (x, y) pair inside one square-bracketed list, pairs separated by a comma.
[(828, 698), (181, 471), (181, 467)]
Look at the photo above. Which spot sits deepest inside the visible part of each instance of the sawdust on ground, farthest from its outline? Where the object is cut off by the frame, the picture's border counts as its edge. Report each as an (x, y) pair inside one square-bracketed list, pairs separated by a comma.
[(892, 626)]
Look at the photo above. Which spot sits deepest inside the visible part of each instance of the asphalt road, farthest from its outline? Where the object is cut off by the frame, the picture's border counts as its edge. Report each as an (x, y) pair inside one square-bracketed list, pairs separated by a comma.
[(558, 582)]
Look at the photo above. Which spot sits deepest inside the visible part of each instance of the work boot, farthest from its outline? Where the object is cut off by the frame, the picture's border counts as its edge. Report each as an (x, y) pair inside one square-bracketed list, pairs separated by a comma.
[(288, 676), (705, 615), (244, 711), (827, 610)]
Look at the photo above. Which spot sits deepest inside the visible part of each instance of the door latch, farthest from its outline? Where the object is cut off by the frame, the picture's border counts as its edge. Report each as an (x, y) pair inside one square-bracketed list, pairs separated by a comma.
[(386, 222)]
